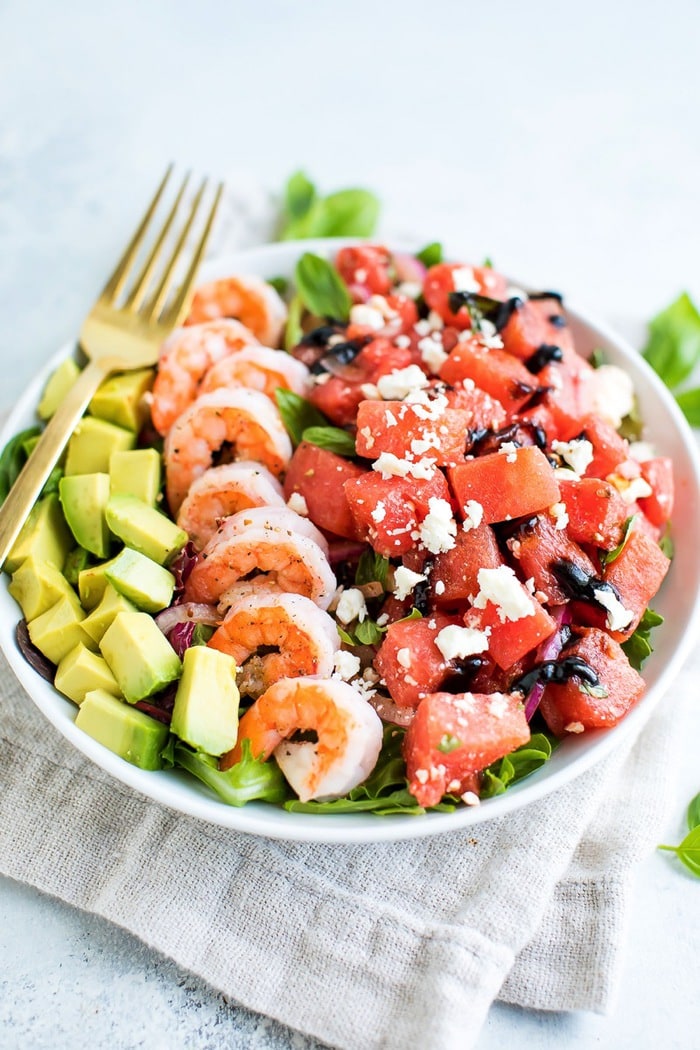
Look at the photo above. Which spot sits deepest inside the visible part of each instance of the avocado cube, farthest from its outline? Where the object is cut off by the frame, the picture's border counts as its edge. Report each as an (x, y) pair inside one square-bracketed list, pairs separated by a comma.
[(136, 472), (125, 730), (59, 383), (139, 655), (59, 629), (92, 443), (44, 536), (144, 529), (80, 671), (121, 398), (140, 579), (92, 583), (206, 704), (111, 603), (37, 585), (84, 498)]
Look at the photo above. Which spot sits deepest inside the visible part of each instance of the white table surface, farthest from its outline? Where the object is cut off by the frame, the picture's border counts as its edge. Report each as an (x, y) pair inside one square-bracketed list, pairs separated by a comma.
[(563, 145)]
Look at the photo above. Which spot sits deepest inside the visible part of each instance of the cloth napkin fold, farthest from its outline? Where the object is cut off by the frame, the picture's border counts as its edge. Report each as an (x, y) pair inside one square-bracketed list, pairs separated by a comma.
[(361, 947)]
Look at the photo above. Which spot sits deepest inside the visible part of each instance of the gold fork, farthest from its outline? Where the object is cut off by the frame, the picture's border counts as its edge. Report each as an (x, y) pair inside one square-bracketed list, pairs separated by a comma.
[(118, 335)]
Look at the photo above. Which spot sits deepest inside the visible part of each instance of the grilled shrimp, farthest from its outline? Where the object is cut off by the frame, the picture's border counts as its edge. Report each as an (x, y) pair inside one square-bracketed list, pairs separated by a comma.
[(185, 357), (258, 368), (221, 491), (306, 637), (248, 299), (285, 560), (245, 419), (277, 519), (349, 735)]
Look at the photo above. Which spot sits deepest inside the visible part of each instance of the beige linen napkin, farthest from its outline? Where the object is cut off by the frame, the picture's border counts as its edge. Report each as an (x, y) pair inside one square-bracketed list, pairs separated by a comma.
[(361, 946), (415, 939)]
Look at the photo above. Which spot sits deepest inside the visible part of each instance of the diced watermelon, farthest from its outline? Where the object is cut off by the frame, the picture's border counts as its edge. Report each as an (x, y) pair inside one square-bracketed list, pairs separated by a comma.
[(387, 512), (569, 708), (454, 575), (510, 640), (637, 573), (365, 268), (596, 512), (454, 736), (439, 283), (538, 546), (319, 476), (506, 484), (392, 426), (609, 449), (536, 323), (486, 412), (410, 662), (658, 473), (498, 373)]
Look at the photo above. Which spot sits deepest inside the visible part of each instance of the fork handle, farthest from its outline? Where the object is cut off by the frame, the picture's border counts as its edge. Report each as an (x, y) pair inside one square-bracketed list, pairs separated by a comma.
[(46, 452)]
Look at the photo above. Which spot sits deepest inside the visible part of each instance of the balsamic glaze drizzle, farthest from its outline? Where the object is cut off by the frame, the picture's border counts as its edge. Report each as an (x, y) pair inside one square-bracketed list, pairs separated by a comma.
[(542, 356), (580, 585), (493, 310), (557, 672)]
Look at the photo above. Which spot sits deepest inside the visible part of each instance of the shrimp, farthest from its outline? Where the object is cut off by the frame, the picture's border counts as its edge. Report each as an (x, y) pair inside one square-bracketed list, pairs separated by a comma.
[(248, 299), (243, 418), (185, 357), (258, 368), (307, 639), (349, 735), (221, 491), (277, 519), (291, 562)]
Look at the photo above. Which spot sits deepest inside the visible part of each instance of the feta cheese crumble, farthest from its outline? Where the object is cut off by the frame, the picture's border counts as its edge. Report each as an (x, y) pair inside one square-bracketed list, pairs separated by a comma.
[(351, 606), (618, 617), (379, 513), (396, 385), (457, 643), (297, 503), (559, 513), (366, 315), (473, 515), (432, 352), (613, 393), (403, 658), (578, 454), (346, 665), (405, 580), (390, 466), (464, 280), (502, 587), (437, 532)]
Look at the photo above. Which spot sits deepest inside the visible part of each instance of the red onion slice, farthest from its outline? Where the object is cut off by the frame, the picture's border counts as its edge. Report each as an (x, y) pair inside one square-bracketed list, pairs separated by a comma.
[(408, 268), (548, 650), (187, 612), (388, 711)]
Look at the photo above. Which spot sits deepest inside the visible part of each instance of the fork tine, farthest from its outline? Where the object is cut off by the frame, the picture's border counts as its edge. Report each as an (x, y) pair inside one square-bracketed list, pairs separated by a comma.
[(180, 304), (152, 308), (116, 282), (138, 292)]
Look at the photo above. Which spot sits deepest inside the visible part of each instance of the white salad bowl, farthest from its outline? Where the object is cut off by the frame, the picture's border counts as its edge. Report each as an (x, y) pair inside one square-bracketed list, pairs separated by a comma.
[(678, 601)]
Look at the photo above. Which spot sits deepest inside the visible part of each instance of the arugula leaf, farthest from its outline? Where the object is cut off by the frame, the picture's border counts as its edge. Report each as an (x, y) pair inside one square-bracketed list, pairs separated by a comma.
[(638, 647), (13, 458), (248, 779), (298, 414), (688, 852), (299, 195), (385, 790), (321, 288), (519, 764), (607, 557), (693, 814), (371, 568), (673, 348), (201, 634), (293, 332), (431, 255), (334, 439), (689, 404)]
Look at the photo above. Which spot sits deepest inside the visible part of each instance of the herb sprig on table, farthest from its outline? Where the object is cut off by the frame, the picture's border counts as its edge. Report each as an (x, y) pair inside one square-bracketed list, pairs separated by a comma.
[(688, 851), (673, 351)]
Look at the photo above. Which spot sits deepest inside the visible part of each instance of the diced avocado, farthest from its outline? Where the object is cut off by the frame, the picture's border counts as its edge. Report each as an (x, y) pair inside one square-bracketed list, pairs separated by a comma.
[(84, 498), (139, 655), (37, 585), (206, 705), (76, 561), (59, 383), (92, 583), (111, 603), (140, 579), (144, 529), (125, 730), (59, 629), (44, 535), (135, 473), (92, 443), (80, 671), (120, 399)]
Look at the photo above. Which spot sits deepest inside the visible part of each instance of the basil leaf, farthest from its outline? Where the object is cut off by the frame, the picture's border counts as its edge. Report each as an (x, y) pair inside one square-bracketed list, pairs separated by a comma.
[(638, 647), (299, 195), (334, 439), (371, 568), (293, 332), (431, 255), (347, 213), (693, 814), (666, 542), (597, 358), (689, 404), (688, 852), (13, 458), (607, 557), (673, 348), (487, 263), (321, 288), (415, 614), (297, 413), (280, 284), (346, 638), (368, 632)]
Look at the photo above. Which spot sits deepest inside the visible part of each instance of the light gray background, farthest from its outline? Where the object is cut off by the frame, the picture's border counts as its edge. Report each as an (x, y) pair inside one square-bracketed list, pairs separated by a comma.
[(560, 139)]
